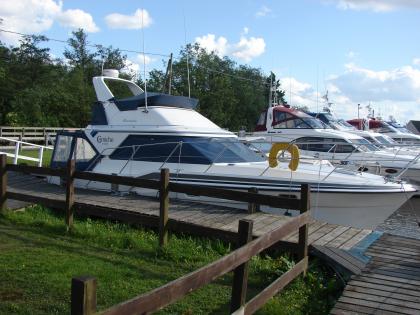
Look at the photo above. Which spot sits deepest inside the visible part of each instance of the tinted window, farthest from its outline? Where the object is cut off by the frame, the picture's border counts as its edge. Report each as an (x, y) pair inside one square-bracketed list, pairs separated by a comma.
[(191, 150), (62, 148), (325, 145)]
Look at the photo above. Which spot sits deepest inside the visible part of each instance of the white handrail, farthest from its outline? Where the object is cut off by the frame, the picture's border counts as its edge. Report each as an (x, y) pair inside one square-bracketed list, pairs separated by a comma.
[(18, 146)]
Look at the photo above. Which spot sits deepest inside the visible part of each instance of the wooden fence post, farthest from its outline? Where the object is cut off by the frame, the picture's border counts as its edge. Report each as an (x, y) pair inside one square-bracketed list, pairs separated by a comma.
[(305, 198), (164, 206), (240, 275), (3, 182), (253, 207), (69, 193), (83, 295)]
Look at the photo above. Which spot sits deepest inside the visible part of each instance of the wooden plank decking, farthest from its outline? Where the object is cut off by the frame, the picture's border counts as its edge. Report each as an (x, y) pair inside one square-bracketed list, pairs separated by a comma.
[(183, 216), (389, 283)]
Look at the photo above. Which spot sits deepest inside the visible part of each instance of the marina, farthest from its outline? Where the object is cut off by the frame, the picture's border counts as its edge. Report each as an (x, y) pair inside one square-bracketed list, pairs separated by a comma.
[(271, 165)]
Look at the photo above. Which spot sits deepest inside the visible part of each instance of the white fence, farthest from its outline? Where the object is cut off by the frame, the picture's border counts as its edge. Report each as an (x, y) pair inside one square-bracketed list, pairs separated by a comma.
[(17, 153)]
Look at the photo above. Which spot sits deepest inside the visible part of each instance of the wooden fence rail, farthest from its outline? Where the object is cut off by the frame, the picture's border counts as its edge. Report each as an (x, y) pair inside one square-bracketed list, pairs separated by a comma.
[(236, 260), (84, 288), (34, 134)]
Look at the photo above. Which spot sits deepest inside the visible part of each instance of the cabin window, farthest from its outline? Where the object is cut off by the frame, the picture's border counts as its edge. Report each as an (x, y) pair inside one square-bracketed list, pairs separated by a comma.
[(62, 148), (84, 151), (285, 120), (331, 145), (179, 149)]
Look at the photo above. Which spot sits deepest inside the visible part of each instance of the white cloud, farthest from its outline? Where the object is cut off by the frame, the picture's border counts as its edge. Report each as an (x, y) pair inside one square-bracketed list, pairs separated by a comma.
[(246, 49), (360, 84), (376, 5), (263, 11), (298, 93), (210, 43), (351, 54), (393, 92), (416, 61), (131, 22), (35, 16), (249, 48), (144, 59), (76, 18)]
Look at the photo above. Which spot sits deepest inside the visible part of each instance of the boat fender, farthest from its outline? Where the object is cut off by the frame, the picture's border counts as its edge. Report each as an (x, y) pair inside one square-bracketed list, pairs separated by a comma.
[(284, 146)]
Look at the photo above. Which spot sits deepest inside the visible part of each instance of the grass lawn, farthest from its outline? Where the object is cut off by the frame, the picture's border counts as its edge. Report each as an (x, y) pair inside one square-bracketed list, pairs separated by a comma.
[(34, 154), (38, 258)]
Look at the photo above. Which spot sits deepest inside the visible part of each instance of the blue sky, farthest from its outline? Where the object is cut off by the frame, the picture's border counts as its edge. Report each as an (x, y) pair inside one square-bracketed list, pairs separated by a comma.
[(360, 51)]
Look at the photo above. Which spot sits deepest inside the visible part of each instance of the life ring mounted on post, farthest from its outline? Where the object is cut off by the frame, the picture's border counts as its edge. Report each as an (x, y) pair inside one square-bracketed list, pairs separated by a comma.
[(284, 146)]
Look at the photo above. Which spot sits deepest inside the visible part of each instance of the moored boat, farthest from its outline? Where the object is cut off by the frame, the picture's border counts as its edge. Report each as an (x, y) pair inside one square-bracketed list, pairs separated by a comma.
[(139, 135)]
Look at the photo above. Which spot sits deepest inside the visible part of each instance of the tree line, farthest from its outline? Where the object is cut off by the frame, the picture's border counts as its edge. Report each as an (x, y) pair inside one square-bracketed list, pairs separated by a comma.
[(37, 89)]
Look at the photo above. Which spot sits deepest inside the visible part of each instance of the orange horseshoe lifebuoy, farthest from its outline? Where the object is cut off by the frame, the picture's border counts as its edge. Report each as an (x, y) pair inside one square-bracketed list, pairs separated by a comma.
[(284, 146)]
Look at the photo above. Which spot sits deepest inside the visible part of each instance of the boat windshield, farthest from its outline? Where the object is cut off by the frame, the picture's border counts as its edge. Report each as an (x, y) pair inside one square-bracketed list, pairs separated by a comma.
[(399, 127), (301, 123), (182, 149), (385, 140), (364, 145)]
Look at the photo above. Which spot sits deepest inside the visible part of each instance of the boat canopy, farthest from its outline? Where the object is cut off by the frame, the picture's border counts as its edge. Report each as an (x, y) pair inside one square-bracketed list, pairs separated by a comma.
[(154, 99)]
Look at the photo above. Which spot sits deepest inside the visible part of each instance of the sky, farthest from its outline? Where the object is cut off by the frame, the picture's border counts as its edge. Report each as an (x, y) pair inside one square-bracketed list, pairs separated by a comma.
[(360, 51)]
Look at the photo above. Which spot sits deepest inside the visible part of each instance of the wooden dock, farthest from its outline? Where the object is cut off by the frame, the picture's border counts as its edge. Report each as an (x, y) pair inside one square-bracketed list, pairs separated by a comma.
[(389, 283), (190, 217)]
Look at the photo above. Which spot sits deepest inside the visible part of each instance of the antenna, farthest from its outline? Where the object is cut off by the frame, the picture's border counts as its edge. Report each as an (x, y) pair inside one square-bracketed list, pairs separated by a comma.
[(168, 76), (144, 63), (290, 88), (317, 90), (188, 62), (270, 101)]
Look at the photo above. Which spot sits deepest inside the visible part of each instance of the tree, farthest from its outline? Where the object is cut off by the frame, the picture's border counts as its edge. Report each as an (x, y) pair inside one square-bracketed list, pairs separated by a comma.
[(35, 90), (78, 54), (110, 58)]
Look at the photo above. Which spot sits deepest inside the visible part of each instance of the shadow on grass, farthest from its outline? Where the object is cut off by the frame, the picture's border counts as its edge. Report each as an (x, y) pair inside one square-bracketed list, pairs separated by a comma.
[(88, 251)]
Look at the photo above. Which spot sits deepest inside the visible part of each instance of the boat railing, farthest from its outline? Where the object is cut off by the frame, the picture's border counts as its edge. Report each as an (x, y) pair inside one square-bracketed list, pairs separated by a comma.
[(14, 150), (360, 161), (366, 156)]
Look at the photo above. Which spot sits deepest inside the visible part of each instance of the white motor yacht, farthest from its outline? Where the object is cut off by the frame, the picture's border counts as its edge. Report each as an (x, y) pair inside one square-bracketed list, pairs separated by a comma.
[(316, 139), (380, 140), (139, 135), (392, 129)]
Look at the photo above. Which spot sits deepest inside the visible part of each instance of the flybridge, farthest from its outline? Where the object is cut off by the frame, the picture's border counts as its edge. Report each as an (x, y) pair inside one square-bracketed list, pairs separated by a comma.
[(155, 99), (147, 112), (139, 98)]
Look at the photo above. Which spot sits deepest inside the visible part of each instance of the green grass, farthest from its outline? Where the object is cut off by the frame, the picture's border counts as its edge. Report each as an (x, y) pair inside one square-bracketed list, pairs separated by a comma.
[(34, 154), (39, 258)]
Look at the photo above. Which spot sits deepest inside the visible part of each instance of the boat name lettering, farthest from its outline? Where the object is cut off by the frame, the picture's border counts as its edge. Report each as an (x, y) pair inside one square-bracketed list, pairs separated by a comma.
[(129, 120), (104, 140)]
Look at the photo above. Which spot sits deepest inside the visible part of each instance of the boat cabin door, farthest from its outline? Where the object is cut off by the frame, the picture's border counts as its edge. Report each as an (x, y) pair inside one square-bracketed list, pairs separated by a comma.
[(74, 145)]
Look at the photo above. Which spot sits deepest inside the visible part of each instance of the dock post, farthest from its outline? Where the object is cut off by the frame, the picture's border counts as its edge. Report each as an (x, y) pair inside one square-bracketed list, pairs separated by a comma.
[(3, 182), (83, 295), (69, 193), (305, 198), (164, 206), (240, 274), (253, 207)]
